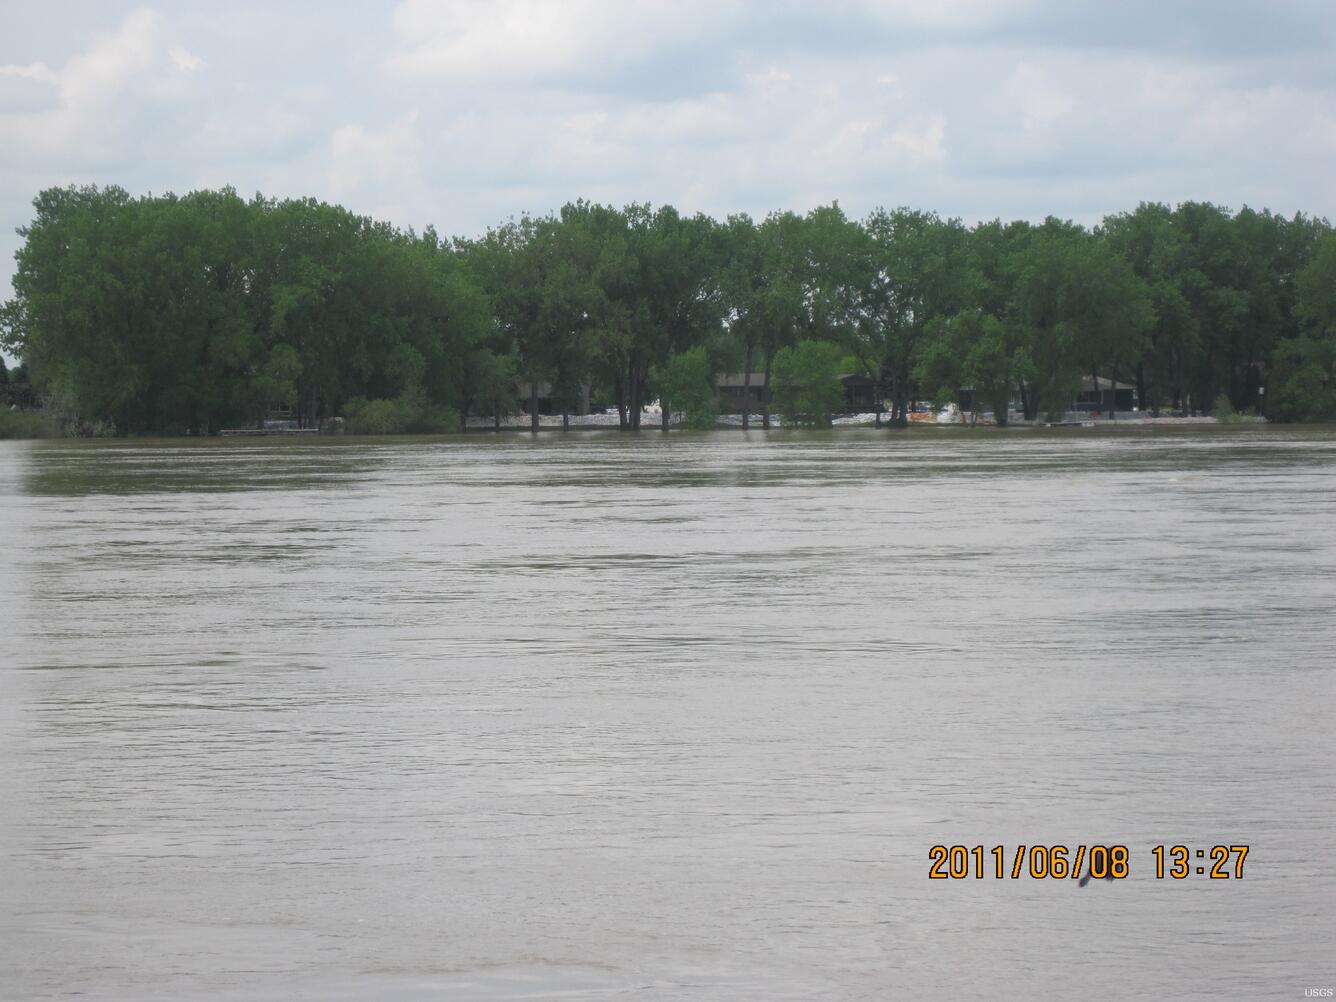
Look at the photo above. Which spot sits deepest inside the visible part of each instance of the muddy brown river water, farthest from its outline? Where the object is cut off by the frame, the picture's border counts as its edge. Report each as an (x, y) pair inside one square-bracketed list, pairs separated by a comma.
[(601, 716)]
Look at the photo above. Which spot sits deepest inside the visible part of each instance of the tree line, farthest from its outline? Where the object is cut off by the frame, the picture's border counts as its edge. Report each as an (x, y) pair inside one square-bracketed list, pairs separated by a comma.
[(166, 314)]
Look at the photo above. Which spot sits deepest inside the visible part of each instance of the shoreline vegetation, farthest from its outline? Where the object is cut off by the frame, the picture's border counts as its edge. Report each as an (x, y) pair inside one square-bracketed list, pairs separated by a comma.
[(196, 315), (482, 428)]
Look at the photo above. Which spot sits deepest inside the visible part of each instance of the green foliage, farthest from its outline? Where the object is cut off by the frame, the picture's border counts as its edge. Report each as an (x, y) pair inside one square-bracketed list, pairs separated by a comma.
[(1223, 410), (377, 417), (686, 383), (922, 274), (1316, 301), (493, 378), (189, 314), (1302, 378), (1077, 307), (409, 413), (29, 424), (1302, 384), (807, 389), (972, 351), (166, 314)]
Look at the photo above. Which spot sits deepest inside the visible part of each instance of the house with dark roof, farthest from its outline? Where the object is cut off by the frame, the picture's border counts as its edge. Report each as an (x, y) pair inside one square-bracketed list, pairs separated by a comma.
[(1105, 396), (734, 395)]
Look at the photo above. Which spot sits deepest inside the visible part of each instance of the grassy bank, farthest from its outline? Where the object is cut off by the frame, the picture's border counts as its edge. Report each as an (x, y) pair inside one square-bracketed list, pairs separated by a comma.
[(28, 424)]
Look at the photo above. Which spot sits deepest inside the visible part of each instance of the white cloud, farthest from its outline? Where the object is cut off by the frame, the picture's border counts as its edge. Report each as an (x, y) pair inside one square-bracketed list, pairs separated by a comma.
[(946, 14), (97, 96), (97, 76), (28, 88), (464, 113), (1042, 101), (185, 60), (585, 44), (385, 165)]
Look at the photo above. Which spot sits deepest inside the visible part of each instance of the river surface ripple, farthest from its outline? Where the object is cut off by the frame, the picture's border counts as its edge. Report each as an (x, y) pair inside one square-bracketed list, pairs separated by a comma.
[(602, 716)]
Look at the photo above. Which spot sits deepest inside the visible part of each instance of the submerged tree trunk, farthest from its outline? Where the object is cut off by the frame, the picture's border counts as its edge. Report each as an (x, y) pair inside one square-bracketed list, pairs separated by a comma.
[(533, 407), (746, 388), (1142, 395), (496, 412), (1176, 381), (636, 403), (621, 403), (765, 395), (899, 399), (565, 419), (1029, 402), (665, 413)]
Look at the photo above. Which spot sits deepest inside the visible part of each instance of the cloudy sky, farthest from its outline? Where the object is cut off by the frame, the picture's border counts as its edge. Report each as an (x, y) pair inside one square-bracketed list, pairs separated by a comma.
[(461, 113)]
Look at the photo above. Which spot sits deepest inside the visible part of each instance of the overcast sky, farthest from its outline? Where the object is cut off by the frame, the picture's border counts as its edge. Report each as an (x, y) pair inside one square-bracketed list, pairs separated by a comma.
[(461, 114)]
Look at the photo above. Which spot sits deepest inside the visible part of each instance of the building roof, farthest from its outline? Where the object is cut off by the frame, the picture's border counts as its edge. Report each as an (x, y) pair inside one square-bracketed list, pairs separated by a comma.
[(735, 379), (1104, 384)]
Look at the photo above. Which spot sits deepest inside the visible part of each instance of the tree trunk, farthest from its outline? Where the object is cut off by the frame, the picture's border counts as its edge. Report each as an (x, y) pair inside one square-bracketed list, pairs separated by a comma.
[(1029, 402), (496, 412), (533, 407), (1142, 395), (636, 403), (899, 400), (746, 388), (621, 403), (665, 413), (765, 394)]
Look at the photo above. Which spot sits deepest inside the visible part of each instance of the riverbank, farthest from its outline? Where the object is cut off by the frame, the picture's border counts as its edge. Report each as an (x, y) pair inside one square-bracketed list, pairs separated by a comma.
[(33, 425), (653, 422), (28, 424)]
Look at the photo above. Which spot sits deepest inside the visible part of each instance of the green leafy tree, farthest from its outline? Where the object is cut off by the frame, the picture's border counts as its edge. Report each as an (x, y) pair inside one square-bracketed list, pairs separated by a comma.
[(687, 383), (807, 386), (742, 281), (924, 275), (491, 383), (1302, 380), (1302, 386), (1150, 240), (188, 314), (971, 352), (1076, 305), (840, 276), (278, 379)]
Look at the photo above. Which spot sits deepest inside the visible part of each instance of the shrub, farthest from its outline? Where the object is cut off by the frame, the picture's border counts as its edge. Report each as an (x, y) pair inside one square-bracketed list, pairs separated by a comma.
[(408, 413), (1302, 386), (28, 424), (1223, 409), (688, 386)]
